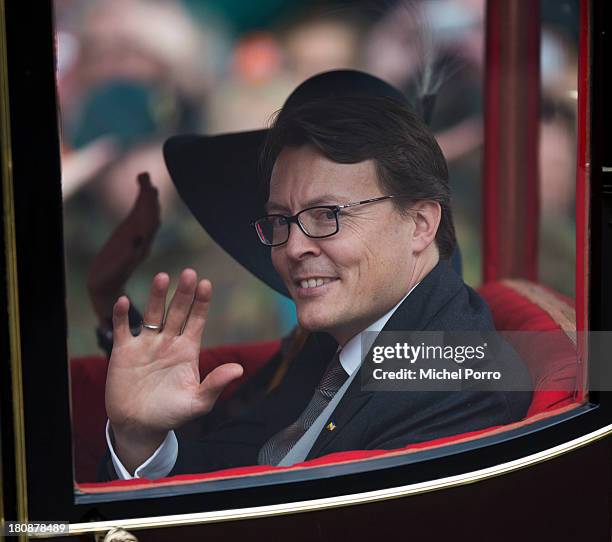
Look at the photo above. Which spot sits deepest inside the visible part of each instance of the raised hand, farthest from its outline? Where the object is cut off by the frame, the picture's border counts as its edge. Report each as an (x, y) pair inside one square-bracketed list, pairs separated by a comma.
[(153, 383), (127, 247)]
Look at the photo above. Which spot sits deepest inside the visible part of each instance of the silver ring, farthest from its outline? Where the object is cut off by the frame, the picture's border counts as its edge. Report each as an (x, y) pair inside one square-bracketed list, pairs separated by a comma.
[(156, 327)]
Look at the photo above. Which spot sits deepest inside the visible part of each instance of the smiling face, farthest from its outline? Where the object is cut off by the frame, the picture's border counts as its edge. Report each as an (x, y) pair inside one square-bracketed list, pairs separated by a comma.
[(341, 284)]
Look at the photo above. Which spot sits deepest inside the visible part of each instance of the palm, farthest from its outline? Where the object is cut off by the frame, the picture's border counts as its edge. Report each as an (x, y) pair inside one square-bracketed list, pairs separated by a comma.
[(158, 390)]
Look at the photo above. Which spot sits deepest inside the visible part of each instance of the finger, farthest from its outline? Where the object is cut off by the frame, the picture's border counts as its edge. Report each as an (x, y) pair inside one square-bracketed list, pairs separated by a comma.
[(147, 193), (147, 207), (215, 382), (144, 184), (121, 324), (199, 311), (144, 180), (181, 302), (154, 313), (147, 189)]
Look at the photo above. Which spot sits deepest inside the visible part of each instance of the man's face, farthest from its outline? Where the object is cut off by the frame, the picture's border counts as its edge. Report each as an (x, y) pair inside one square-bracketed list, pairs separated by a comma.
[(366, 268)]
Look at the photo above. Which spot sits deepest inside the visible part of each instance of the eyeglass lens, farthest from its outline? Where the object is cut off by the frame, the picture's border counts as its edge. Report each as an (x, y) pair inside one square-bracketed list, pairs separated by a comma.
[(315, 222)]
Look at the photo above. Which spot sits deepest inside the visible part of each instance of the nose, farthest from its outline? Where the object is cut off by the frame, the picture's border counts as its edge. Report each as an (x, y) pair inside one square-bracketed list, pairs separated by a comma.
[(299, 245)]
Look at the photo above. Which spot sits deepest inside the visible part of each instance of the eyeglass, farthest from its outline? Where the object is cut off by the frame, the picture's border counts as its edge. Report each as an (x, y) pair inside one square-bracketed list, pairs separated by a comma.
[(317, 222)]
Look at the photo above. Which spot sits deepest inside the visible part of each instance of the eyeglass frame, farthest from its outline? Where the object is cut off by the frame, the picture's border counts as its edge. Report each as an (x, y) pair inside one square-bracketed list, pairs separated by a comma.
[(293, 219)]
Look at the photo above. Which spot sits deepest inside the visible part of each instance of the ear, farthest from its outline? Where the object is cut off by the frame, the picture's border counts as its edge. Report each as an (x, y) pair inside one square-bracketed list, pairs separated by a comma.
[(426, 216)]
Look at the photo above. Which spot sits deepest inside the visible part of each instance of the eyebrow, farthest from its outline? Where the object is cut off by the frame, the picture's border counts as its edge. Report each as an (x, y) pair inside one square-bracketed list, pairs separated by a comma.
[(325, 199)]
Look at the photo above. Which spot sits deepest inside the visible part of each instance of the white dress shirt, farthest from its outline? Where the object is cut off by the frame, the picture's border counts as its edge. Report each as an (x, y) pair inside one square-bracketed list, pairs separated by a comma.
[(163, 459)]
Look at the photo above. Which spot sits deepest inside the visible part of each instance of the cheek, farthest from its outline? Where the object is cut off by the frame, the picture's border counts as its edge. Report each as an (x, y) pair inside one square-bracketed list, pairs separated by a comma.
[(363, 243), (358, 262), (278, 261), (383, 257)]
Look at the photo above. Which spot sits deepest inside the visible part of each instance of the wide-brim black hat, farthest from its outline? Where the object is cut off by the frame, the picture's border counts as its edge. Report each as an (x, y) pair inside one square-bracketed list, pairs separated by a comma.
[(217, 176)]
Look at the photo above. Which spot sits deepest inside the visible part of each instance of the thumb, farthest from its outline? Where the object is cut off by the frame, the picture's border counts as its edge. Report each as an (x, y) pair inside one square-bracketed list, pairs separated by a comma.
[(216, 381)]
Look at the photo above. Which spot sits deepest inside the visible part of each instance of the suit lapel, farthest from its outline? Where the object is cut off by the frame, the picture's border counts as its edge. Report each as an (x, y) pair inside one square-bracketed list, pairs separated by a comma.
[(422, 306), (351, 403)]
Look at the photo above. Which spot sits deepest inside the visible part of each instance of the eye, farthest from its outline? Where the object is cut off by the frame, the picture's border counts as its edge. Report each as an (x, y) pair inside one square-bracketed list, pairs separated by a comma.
[(323, 214), (278, 221)]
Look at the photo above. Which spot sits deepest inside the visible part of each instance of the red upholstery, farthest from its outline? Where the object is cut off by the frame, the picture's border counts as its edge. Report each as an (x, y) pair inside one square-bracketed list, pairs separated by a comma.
[(515, 306), (551, 356), (88, 377)]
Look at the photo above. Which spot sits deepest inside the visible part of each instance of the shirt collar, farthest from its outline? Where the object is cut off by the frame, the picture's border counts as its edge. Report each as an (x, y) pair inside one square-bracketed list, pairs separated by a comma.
[(350, 355)]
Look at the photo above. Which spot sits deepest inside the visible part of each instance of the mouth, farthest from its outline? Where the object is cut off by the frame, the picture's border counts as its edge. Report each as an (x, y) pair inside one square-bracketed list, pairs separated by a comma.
[(313, 282), (307, 286)]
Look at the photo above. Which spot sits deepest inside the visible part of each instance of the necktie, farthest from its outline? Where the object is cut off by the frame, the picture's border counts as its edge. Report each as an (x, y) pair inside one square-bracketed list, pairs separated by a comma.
[(277, 446)]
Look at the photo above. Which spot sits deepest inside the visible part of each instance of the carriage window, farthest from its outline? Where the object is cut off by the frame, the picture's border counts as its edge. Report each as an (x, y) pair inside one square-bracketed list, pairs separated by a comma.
[(558, 145), (131, 74)]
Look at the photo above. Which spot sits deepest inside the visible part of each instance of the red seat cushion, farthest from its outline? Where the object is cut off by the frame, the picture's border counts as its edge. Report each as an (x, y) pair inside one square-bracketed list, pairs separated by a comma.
[(521, 306)]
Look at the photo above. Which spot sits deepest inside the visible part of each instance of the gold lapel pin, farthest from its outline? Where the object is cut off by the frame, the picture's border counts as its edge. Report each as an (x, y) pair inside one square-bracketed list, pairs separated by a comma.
[(330, 426)]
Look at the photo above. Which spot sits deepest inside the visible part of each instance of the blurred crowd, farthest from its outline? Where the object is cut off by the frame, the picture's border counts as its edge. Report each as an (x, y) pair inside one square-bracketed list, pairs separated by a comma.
[(133, 72)]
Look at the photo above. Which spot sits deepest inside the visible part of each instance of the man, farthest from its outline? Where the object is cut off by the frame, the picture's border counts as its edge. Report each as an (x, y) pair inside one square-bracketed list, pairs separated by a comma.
[(359, 228)]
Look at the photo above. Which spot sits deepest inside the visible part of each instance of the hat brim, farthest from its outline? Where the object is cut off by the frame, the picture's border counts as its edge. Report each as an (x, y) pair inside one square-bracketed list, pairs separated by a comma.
[(216, 177)]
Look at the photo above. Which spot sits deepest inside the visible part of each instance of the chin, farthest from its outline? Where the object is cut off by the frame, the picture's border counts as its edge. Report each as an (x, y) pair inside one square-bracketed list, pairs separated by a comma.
[(313, 320)]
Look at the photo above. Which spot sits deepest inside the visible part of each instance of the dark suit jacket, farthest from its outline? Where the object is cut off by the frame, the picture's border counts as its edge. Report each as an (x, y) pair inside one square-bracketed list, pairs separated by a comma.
[(371, 420), (365, 419)]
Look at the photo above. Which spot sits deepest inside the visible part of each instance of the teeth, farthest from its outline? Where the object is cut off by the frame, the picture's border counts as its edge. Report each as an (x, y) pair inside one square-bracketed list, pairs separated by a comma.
[(314, 282)]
